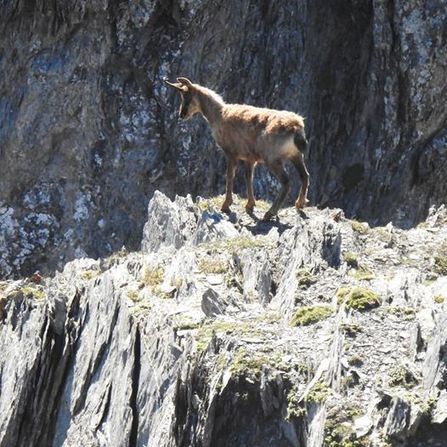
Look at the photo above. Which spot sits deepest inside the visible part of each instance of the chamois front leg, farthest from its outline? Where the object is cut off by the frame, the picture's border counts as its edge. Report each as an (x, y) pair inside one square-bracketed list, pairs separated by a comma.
[(231, 170), (278, 170), (249, 169)]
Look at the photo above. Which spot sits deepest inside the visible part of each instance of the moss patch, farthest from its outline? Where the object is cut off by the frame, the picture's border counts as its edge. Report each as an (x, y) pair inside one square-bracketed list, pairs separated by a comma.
[(351, 259), (237, 244), (310, 314), (318, 393), (350, 329), (213, 266), (133, 295), (355, 360), (239, 329), (439, 299), (358, 298), (407, 313), (359, 227), (152, 277), (402, 376), (87, 275), (30, 292), (305, 279), (294, 409), (441, 264), (339, 428), (363, 273), (247, 365)]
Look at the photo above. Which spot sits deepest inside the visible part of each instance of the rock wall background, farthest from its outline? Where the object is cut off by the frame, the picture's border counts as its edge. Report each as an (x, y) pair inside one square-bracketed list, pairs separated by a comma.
[(228, 331), (88, 132)]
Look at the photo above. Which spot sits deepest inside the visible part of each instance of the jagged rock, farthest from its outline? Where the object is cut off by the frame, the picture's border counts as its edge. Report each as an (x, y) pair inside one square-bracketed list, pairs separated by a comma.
[(212, 226), (212, 303), (169, 223), (144, 342)]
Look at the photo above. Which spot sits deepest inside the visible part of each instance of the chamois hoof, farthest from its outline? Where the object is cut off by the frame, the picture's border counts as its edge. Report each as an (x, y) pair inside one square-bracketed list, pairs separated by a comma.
[(301, 203), (268, 216), (249, 208)]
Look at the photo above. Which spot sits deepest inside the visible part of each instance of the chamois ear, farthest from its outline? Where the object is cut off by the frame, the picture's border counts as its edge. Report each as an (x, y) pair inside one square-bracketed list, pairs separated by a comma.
[(177, 85), (185, 81)]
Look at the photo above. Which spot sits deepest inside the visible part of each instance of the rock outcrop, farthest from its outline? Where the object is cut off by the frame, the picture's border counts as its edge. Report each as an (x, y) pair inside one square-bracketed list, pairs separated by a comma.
[(229, 331), (88, 132)]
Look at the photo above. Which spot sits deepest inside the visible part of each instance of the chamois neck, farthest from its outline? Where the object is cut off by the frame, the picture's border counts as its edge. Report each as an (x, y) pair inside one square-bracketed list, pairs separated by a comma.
[(211, 105)]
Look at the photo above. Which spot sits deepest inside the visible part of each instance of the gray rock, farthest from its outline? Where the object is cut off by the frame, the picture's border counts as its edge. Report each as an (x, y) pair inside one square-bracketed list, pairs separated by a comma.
[(100, 354)]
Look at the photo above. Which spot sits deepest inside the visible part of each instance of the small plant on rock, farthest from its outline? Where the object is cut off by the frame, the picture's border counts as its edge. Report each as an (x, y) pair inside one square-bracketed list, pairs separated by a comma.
[(310, 314), (351, 259), (358, 298), (363, 273), (305, 279), (441, 264), (439, 299), (359, 227), (402, 376), (318, 393)]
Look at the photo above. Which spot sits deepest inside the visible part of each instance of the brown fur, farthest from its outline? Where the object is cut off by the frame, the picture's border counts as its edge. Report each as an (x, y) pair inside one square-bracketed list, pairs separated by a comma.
[(253, 134)]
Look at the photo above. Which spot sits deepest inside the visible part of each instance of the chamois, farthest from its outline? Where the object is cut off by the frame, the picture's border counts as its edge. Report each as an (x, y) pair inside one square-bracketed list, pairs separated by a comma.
[(252, 134)]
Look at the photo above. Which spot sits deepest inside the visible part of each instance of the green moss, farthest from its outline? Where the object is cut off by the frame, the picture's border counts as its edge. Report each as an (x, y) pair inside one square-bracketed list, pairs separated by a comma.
[(305, 279), (407, 313), (441, 264), (351, 259), (359, 227), (358, 298), (339, 429), (212, 202), (89, 274), (294, 408), (310, 314), (439, 299), (29, 291), (236, 328), (114, 259), (362, 273), (152, 277), (402, 376), (355, 360), (213, 266), (133, 295), (350, 329), (318, 393), (237, 244), (248, 365), (141, 308)]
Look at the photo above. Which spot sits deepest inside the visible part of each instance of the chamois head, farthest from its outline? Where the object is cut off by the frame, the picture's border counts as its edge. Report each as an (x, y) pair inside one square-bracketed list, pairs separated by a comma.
[(190, 103)]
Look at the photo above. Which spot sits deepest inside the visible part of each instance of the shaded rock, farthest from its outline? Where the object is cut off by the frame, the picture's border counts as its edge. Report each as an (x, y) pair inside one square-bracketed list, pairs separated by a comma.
[(212, 303)]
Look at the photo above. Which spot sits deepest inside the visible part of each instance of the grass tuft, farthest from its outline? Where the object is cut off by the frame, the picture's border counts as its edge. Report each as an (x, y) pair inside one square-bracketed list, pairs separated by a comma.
[(358, 298), (310, 314)]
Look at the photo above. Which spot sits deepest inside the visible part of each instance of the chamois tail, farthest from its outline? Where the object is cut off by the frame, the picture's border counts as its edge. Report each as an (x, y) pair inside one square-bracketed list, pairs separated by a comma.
[(300, 141)]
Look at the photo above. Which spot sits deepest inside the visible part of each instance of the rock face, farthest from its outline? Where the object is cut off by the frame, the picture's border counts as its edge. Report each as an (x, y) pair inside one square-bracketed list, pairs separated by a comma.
[(228, 331), (88, 131)]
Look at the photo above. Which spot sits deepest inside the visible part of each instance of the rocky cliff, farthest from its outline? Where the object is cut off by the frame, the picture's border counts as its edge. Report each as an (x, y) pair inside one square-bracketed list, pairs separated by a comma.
[(228, 331), (88, 132)]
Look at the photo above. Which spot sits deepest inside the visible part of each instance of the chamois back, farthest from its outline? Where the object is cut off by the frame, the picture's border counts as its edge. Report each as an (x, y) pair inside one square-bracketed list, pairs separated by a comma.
[(271, 121)]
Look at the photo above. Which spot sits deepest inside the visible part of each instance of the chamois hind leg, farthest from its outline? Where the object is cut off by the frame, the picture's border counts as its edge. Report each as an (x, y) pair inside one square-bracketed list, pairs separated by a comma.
[(249, 169), (298, 162), (278, 170), (231, 170)]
